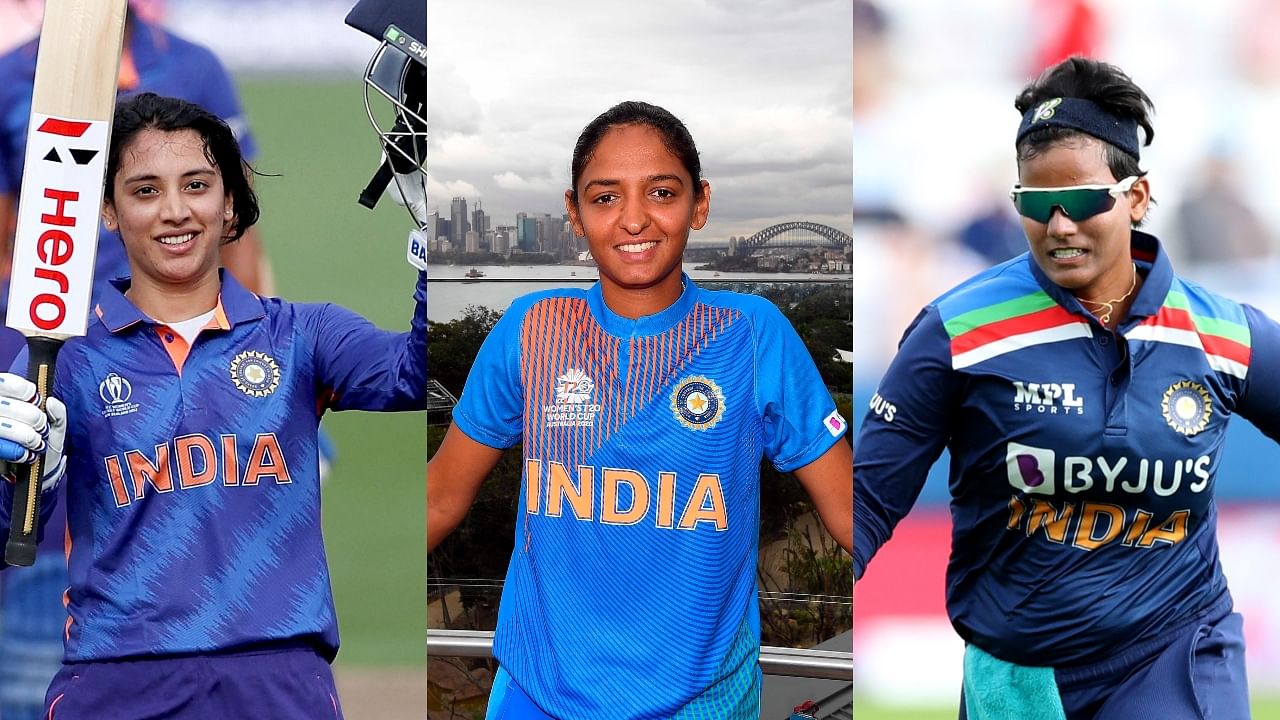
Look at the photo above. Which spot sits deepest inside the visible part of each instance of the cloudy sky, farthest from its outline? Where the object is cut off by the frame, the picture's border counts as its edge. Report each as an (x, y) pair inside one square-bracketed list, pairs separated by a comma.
[(763, 85)]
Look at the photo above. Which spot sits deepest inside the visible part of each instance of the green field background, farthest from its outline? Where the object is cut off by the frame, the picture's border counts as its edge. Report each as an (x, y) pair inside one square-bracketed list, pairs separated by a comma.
[(314, 137)]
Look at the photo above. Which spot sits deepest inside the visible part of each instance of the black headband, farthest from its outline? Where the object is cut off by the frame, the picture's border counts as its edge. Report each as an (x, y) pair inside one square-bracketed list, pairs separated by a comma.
[(1085, 116)]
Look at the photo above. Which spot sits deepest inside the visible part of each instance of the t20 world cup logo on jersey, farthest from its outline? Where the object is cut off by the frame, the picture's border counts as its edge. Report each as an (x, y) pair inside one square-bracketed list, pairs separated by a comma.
[(574, 388), (573, 406)]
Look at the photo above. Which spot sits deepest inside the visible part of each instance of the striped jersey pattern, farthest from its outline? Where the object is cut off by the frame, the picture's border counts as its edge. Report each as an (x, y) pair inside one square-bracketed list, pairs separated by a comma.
[(1083, 459), (192, 490), (631, 592)]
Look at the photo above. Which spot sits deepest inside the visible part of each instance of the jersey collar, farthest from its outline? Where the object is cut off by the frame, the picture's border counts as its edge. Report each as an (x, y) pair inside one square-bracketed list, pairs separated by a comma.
[(1153, 263), (235, 305), (659, 322)]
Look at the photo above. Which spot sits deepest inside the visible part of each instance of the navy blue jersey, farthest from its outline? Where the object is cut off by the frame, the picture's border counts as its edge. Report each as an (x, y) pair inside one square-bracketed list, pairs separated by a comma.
[(1083, 459), (193, 496), (632, 588)]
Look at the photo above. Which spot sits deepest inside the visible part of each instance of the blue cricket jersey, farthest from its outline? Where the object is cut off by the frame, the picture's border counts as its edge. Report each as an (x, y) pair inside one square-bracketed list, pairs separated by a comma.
[(631, 592), (1082, 459), (193, 497)]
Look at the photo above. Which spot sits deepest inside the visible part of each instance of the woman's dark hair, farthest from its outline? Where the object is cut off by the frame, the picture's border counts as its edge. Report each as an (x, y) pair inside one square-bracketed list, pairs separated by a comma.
[(675, 136), (148, 111), (1100, 82)]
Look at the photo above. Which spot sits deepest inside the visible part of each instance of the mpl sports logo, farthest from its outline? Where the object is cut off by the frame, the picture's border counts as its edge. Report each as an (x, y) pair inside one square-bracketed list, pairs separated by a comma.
[(57, 226), (573, 406), (1047, 398), (115, 391)]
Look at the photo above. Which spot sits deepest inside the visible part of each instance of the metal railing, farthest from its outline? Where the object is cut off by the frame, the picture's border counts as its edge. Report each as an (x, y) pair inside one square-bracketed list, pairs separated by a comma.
[(790, 662)]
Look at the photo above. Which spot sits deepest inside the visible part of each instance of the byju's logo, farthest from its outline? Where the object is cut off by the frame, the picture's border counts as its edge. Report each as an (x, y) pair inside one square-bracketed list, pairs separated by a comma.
[(1047, 398), (1031, 468)]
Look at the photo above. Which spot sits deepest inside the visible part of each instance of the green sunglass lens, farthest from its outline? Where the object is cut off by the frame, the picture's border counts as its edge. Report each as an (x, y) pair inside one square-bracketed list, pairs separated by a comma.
[(1078, 205)]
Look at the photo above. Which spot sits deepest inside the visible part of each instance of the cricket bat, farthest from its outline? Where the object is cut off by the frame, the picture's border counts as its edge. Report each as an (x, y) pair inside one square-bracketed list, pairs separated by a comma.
[(59, 206)]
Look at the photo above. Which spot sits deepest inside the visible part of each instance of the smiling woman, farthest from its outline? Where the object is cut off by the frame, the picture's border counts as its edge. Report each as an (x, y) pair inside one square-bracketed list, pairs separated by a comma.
[(644, 405), (197, 568)]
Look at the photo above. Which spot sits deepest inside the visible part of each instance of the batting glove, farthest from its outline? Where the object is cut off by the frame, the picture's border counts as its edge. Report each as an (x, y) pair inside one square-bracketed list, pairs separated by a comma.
[(26, 431)]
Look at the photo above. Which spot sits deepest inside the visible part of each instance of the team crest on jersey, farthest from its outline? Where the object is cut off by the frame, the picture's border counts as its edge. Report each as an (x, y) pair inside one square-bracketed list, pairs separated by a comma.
[(697, 402), (255, 373), (1186, 406), (115, 391), (573, 406)]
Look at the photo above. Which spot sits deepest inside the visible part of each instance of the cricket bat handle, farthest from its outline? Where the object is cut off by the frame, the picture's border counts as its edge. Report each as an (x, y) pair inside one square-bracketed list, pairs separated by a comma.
[(25, 519)]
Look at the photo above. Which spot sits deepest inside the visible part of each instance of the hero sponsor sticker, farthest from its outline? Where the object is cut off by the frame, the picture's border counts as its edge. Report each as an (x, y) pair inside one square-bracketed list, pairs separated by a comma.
[(57, 231), (255, 374), (1187, 407), (697, 402)]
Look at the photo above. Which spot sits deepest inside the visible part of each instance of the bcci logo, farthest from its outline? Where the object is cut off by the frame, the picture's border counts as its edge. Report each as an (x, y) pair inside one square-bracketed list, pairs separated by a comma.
[(115, 392), (697, 403), (1046, 110), (255, 374), (574, 388), (1186, 406)]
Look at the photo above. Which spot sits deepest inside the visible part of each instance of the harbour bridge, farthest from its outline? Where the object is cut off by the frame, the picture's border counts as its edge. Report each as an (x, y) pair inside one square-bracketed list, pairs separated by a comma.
[(792, 234)]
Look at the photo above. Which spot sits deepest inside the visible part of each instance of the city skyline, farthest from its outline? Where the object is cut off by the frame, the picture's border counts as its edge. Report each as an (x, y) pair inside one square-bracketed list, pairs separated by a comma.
[(767, 100)]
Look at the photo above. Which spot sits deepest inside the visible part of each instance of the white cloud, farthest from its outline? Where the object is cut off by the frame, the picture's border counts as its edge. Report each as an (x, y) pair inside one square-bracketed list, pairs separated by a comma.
[(763, 86)]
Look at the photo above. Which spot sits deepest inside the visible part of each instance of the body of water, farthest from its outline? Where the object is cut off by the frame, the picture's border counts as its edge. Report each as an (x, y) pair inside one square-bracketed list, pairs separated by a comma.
[(503, 283)]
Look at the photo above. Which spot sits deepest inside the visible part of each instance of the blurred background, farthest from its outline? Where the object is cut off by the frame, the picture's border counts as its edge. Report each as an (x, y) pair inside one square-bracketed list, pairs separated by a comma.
[(298, 70), (933, 128)]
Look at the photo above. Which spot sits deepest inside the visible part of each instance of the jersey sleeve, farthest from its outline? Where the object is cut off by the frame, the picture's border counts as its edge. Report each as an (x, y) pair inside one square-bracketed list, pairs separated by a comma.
[(800, 420), (1259, 403), (491, 409), (360, 367), (902, 435)]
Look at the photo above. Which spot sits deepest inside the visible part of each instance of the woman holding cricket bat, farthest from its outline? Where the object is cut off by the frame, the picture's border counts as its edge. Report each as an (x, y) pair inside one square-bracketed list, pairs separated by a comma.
[(645, 404), (185, 423)]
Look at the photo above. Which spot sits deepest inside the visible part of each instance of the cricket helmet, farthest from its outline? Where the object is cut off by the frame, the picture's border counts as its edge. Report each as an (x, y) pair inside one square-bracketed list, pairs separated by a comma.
[(395, 85)]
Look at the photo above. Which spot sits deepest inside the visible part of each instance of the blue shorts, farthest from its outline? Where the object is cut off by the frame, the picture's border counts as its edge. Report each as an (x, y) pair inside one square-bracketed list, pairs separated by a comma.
[(1194, 672), (508, 702), (282, 683)]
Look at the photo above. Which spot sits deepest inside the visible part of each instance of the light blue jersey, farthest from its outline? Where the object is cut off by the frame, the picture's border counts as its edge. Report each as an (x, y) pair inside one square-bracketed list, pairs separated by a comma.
[(632, 588)]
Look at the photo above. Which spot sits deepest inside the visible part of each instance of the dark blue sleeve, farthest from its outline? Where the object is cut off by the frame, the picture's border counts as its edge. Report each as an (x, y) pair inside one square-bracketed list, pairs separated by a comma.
[(359, 367), (1260, 401), (491, 409), (902, 435)]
